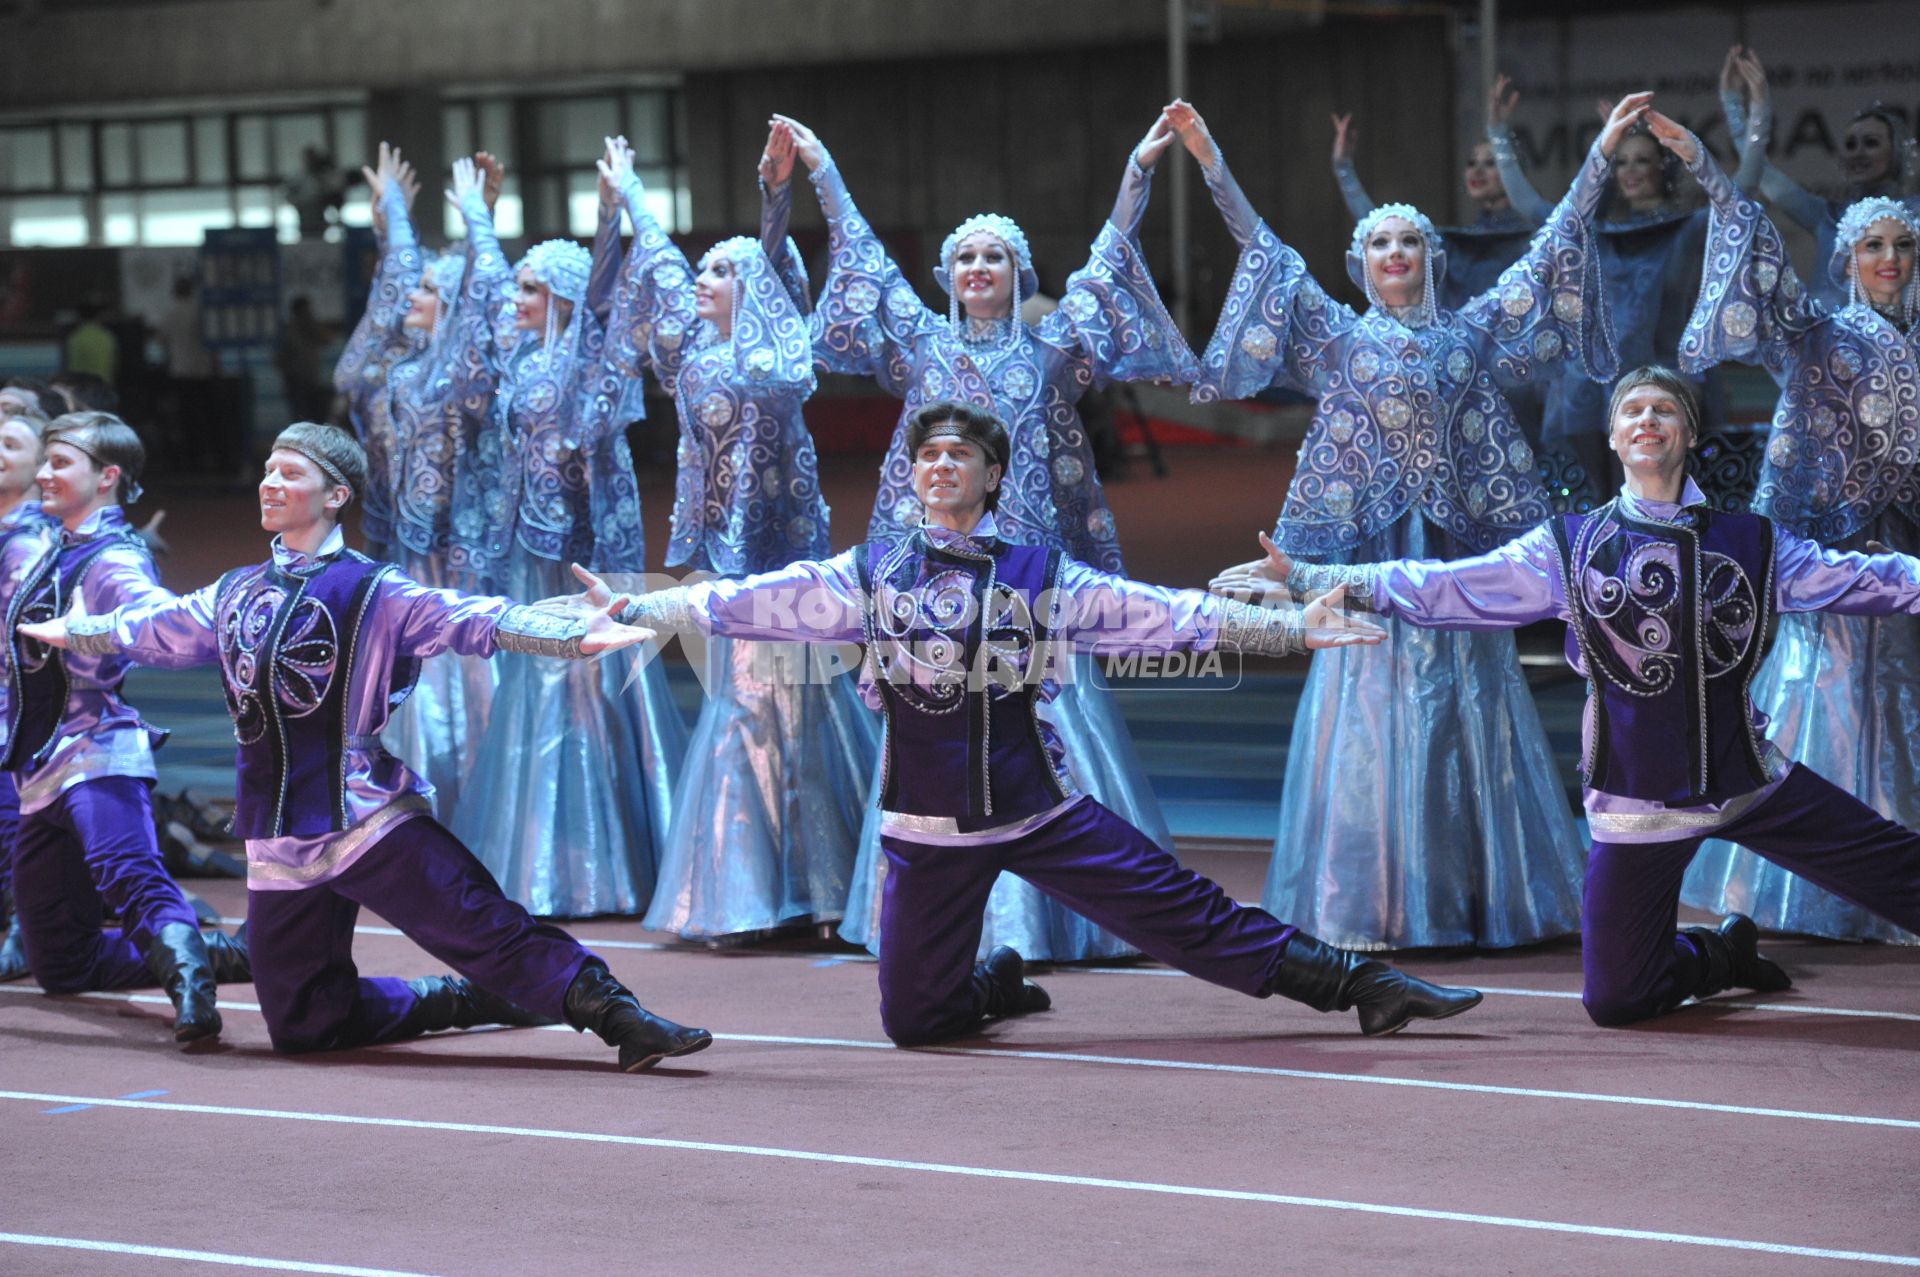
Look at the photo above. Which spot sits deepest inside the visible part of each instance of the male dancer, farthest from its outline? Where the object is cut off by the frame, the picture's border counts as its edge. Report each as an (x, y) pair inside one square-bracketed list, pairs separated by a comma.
[(82, 757), (959, 625), (1668, 605), (22, 450), (315, 646)]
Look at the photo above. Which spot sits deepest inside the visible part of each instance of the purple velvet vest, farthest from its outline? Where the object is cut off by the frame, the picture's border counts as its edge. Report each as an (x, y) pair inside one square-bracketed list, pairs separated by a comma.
[(287, 645), (952, 641), (37, 684), (1671, 620)]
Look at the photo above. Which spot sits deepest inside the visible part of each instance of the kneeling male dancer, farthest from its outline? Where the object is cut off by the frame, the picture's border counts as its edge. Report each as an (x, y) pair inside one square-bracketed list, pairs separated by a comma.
[(1669, 606), (963, 630), (82, 756), (315, 646)]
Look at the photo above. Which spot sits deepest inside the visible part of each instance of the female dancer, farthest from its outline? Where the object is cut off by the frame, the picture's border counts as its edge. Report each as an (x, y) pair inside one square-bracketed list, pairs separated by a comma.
[(767, 817), (1476, 253), (1422, 805), (1649, 254), (1110, 326), (1877, 158), (578, 766), (381, 339), (1842, 692), (433, 400)]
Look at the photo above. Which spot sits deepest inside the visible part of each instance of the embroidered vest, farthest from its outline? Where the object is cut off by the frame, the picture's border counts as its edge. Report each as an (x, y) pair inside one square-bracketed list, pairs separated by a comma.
[(1671, 620), (37, 682), (953, 638), (288, 642)]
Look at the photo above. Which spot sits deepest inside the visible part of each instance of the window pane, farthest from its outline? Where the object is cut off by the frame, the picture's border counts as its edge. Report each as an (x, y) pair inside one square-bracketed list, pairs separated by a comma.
[(350, 143), (258, 205), (162, 153), (183, 217), (76, 157), (116, 154), (358, 210), (210, 148), (120, 219), (256, 154), (647, 125), (456, 123), (496, 130), (53, 222), (508, 219), (29, 158), (583, 205), (292, 135), (569, 130)]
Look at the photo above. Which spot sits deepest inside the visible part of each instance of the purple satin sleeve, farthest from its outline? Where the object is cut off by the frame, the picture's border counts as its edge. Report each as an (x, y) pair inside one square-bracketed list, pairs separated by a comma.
[(416, 620), (122, 577), (1808, 577), (1515, 585), (813, 601), (171, 634), (1108, 613)]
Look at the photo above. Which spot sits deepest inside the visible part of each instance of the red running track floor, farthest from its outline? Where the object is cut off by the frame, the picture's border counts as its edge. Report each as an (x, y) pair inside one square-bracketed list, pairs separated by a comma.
[(1149, 1124)]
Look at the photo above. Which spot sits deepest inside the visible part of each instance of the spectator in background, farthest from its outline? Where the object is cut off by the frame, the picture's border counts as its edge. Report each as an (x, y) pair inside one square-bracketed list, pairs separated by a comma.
[(188, 358), (33, 395), (91, 347), (319, 190), (85, 392), (298, 357)]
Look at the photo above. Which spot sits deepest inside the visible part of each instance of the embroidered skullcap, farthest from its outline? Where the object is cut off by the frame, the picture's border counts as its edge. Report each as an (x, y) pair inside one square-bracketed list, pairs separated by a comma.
[(560, 264), (735, 249)]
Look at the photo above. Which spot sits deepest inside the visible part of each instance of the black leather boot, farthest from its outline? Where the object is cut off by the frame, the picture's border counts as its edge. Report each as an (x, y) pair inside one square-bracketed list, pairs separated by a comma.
[(598, 1002), (1730, 958), (227, 955), (451, 1002), (178, 958), (1330, 979), (1001, 986)]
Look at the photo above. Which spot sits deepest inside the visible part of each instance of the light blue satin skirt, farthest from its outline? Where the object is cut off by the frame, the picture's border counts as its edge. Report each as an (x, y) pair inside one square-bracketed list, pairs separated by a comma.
[(1423, 807), (437, 730), (1844, 696), (767, 818), (571, 792), (1103, 762)]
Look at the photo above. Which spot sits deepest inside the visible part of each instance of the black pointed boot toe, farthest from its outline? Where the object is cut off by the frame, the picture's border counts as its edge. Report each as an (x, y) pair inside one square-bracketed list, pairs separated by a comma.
[(598, 1003), (1387, 998)]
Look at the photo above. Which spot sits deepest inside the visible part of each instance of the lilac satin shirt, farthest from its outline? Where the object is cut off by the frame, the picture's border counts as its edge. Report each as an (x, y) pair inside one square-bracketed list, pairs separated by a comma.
[(99, 734), (1520, 583), (405, 618)]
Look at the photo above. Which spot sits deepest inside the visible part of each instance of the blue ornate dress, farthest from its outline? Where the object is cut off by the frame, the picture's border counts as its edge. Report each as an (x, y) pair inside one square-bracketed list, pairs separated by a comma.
[(766, 821), (1110, 326), (579, 759), (1422, 804), (379, 341), (1843, 692), (435, 400)]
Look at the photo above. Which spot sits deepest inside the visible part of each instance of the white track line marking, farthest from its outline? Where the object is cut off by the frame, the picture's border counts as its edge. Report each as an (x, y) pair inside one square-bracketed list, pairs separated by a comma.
[(1197, 1066), (200, 1256), (986, 1172)]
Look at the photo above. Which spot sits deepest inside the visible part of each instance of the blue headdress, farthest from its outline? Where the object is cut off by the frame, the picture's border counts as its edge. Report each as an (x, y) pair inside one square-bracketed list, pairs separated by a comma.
[(1853, 225), (767, 331), (563, 266), (1434, 258)]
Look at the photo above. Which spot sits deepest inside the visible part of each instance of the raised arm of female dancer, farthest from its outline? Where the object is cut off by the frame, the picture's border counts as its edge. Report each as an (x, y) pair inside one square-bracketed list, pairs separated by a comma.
[(1527, 200), (1359, 203), (1803, 206), (652, 323), (380, 337)]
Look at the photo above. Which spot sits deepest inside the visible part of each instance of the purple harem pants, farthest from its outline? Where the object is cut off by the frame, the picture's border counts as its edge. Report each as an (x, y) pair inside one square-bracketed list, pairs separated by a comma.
[(94, 843), (1088, 859), (1637, 965), (425, 882)]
